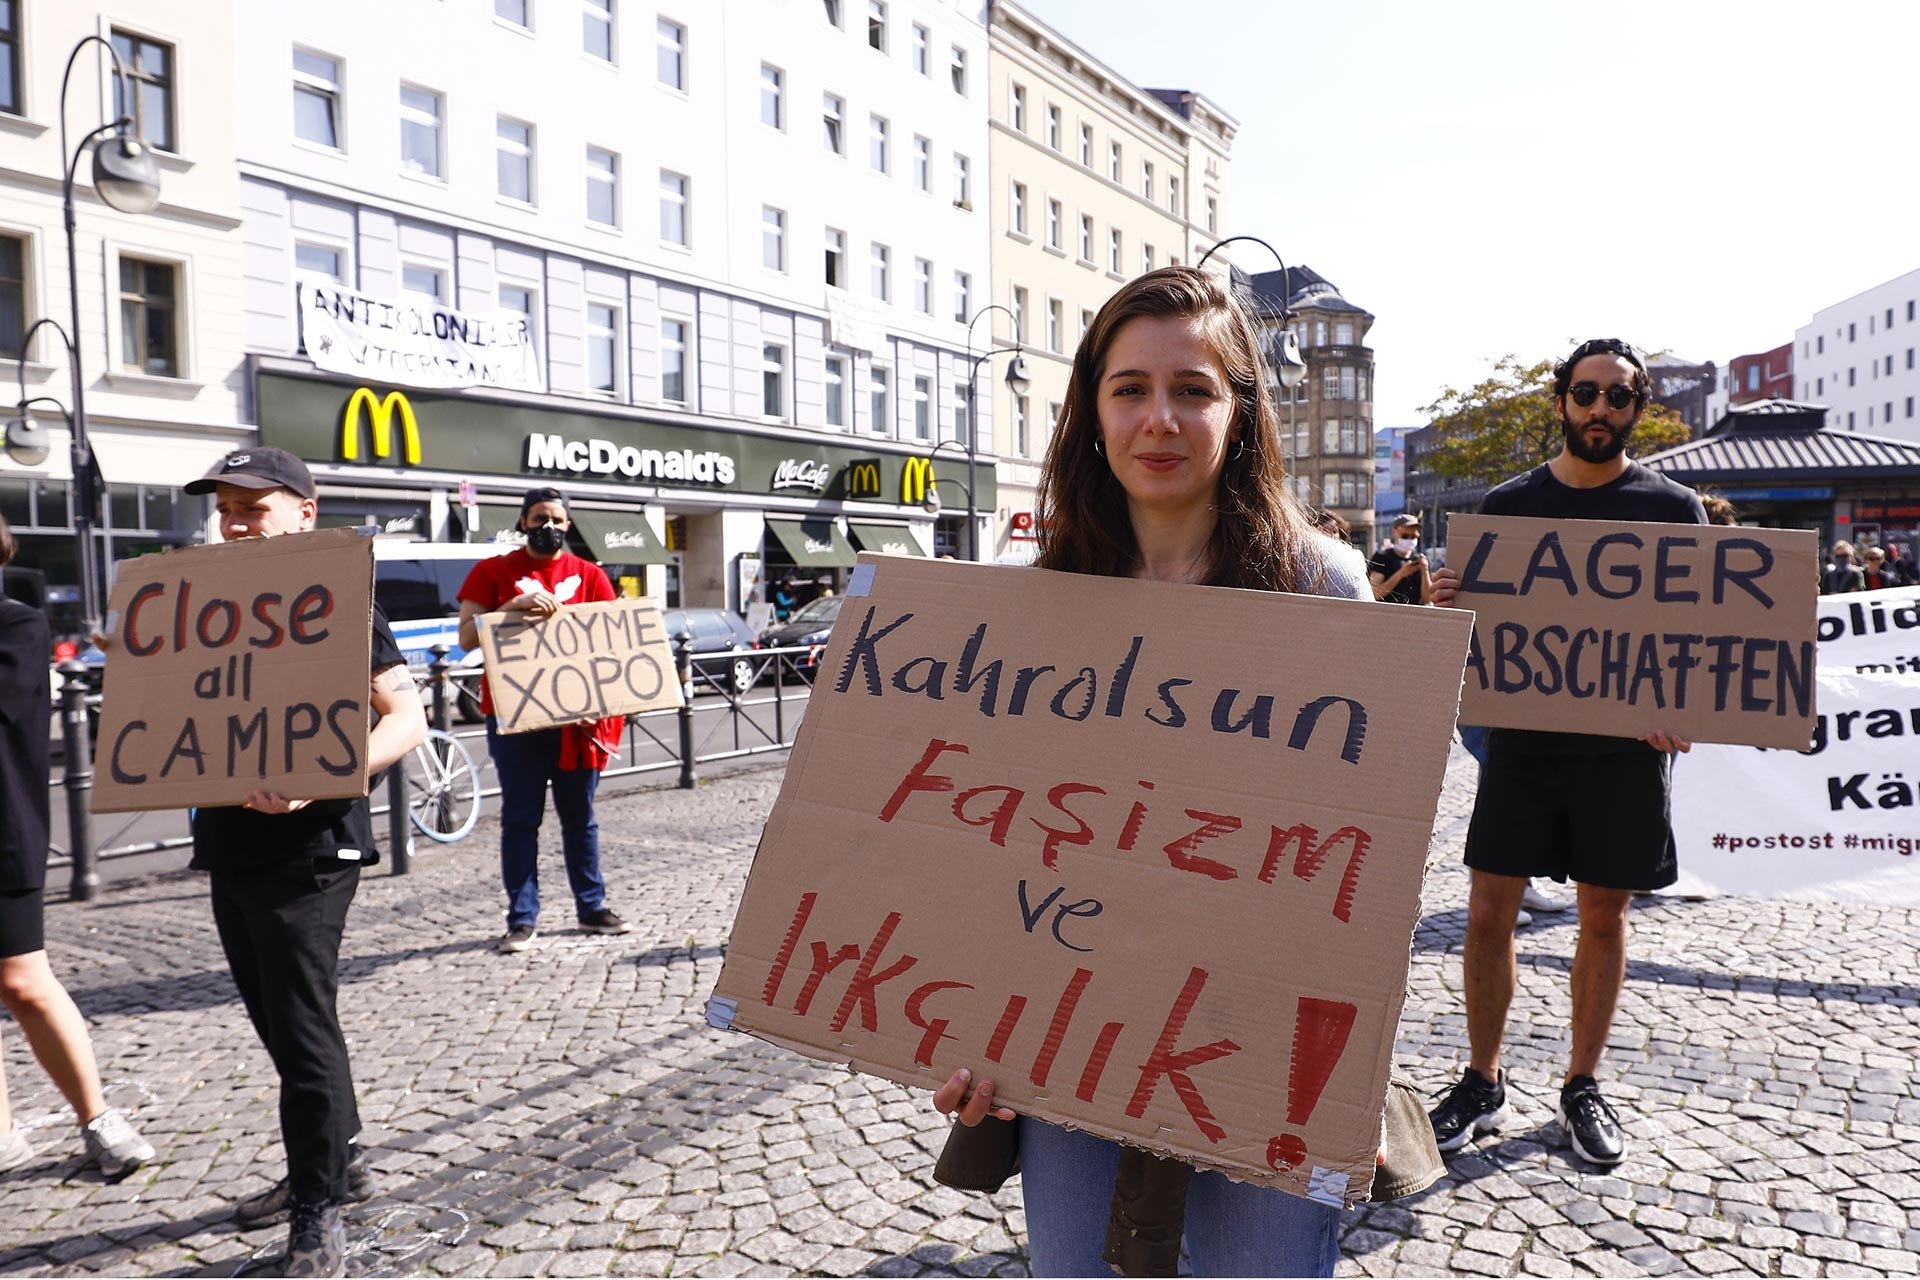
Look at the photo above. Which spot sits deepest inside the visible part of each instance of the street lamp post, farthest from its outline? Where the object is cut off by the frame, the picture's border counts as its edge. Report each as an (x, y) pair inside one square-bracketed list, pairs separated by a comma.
[(1017, 380), (1283, 354)]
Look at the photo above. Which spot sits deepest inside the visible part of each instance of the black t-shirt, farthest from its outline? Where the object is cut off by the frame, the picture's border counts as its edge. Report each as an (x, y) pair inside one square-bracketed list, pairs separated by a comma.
[(232, 838), (1406, 591), (1639, 495), (26, 711)]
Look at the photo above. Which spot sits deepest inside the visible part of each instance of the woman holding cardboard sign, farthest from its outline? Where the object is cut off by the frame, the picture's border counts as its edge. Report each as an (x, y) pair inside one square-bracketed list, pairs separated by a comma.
[(1165, 465)]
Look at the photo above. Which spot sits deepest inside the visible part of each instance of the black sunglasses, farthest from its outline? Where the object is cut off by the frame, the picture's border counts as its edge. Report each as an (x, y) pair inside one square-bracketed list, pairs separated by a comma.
[(1585, 393)]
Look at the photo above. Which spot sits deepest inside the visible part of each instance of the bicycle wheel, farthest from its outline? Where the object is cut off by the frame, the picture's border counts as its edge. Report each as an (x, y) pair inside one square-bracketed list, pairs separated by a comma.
[(443, 788)]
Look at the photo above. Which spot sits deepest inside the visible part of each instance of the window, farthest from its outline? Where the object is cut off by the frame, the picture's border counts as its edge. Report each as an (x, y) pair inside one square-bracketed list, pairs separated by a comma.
[(877, 25), (316, 99), (1022, 433), (514, 11), (1019, 207), (1346, 383), (525, 302), (1053, 126), (773, 376), (596, 29), (1173, 194), (1909, 357), (1889, 325), (923, 286), (773, 107), (1909, 406), (1302, 439), (10, 59), (923, 408), (833, 12), (1017, 113), (962, 181), (833, 112), (673, 207), (1849, 377), (1889, 366), (1054, 218), (1086, 320), (1330, 437), (962, 295), (1113, 250), (1113, 161), (1056, 325), (673, 361), (148, 321), (836, 391), (836, 258), (319, 259), (149, 65), (1348, 441), (1213, 214), (773, 238), (1343, 334), (1819, 386), (671, 55), (1086, 237), (877, 396), (420, 131), (1820, 344), (1851, 330), (922, 163), (1146, 179), (1319, 333), (960, 411), (922, 50), (1019, 309), (959, 68), (1146, 257), (603, 188), (877, 145), (1330, 383), (603, 349), (424, 282), (513, 152), (1910, 304), (1360, 383), (1086, 145), (882, 272)]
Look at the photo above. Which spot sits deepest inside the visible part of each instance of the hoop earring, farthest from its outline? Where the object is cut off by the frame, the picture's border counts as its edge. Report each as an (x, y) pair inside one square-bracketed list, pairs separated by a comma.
[(1240, 450), (1100, 446)]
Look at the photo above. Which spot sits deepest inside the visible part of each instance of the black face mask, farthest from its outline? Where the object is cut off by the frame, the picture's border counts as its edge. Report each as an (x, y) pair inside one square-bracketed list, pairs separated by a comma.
[(547, 540)]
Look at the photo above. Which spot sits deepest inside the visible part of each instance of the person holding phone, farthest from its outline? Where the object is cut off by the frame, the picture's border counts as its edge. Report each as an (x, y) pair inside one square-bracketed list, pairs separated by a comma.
[(1399, 574)]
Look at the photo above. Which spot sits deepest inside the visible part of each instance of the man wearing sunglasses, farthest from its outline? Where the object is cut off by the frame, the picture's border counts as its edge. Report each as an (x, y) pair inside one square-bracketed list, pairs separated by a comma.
[(1575, 806)]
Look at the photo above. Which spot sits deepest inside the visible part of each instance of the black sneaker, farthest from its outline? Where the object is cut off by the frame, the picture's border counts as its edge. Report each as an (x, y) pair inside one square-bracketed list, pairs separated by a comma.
[(1592, 1125), (270, 1207), (1471, 1107), (605, 920), (316, 1240), (519, 938)]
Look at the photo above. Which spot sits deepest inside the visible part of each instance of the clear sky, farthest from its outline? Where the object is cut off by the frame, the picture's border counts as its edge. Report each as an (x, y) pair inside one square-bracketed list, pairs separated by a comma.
[(1491, 177)]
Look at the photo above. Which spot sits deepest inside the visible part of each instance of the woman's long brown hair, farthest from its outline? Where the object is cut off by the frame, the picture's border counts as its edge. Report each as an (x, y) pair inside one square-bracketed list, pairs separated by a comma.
[(1261, 540)]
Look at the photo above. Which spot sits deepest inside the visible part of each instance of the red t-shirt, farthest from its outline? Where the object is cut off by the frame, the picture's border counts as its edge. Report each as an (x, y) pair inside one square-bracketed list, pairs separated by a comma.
[(498, 579)]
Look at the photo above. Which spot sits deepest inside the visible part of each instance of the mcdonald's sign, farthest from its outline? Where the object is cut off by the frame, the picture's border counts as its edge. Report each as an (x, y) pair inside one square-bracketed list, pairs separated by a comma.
[(863, 478), (380, 414), (916, 477)]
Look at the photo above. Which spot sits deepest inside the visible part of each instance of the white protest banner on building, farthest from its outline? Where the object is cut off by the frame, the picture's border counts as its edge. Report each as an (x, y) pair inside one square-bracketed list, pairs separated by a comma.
[(413, 342), (1837, 822), (1871, 632)]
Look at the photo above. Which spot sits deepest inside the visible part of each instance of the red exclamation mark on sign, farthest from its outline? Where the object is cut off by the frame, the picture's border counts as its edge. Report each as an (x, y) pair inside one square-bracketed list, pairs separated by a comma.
[(1319, 1038)]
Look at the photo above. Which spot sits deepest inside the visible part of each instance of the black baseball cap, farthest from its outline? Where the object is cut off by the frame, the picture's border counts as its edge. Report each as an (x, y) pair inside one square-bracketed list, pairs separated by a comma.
[(534, 497), (258, 468)]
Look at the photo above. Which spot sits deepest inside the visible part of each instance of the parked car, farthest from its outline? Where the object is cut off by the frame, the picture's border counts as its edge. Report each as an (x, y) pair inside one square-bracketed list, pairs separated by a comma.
[(718, 631), (808, 625)]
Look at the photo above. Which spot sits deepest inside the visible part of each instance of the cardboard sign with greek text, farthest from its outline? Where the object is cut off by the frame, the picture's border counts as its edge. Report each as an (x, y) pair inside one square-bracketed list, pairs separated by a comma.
[(1592, 626), (238, 667), (1148, 856), (586, 662)]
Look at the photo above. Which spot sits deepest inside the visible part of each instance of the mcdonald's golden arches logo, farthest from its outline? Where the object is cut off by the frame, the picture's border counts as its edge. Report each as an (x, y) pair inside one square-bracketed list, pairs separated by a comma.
[(863, 478), (380, 414), (916, 477)]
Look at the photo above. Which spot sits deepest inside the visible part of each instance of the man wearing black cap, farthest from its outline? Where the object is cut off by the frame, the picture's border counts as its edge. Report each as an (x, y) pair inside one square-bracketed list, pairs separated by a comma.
[(540, 578), (283, 873)]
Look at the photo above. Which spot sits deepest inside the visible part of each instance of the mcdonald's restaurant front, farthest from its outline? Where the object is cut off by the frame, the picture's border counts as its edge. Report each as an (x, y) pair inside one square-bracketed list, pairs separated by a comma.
[(693, 510)]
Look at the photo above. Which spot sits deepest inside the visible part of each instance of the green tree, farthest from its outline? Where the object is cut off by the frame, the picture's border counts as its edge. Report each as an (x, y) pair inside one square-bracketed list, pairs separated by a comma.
[(1507, 423)]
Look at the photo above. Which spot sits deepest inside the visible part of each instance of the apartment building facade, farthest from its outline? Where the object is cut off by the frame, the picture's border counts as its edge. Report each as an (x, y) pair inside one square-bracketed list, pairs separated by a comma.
[(1095, 181), (722, 252), (1858, 358), (159, 336)]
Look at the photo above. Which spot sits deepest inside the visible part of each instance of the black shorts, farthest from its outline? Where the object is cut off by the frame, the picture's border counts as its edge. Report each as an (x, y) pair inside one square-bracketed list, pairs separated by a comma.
[(23, 924), (1602, 820)]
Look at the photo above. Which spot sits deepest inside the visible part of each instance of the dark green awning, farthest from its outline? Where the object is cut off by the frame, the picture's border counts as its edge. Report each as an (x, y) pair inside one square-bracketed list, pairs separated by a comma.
[(887, 539), (491, 519), (814, 544), (618, 537)]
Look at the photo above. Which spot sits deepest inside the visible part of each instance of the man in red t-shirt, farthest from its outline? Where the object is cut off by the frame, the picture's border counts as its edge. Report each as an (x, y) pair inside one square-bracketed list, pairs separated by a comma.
[(541, 578)]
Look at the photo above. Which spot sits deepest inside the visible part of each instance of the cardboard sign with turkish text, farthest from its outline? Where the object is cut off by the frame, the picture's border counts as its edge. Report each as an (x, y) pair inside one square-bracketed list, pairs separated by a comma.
[(585, 662), (238, 667), (1146, 855), (1591, 626)]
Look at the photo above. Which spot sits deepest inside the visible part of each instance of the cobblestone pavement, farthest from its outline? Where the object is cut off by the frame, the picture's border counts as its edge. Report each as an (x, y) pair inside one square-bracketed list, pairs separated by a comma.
[(568, 1112)]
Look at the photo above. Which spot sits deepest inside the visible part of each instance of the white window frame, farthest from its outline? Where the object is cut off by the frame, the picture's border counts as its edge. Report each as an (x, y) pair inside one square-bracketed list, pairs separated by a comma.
[(923, 50), (776, 365), (834, 387), (338, 248), (611, 170), (1086, 238), (957, 70), (1115, 247), (1114, 155), (1146, 181), (879, 397), (773, 91), (535, 312), (1056, 215), (525, 151), (879, 144), (833, 123), (773, 238), (1018, 307), (1017, 207), (879, 27), (683, 200), (670, 41), (962, 295), (923, 163), (922, 407), (684, 345), (184, 347), (1054, 126), (962, 181), (1086, 146), (880, 270), (834, 256), (613, 331), (416, 116), (332, 91), (601, 11), (439, 273), (1056, 325), (1017, 107), (923, 286)]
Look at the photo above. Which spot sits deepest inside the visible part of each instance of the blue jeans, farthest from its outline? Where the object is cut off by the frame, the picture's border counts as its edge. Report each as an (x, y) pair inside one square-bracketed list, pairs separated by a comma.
[(526, 763), (1233, 1228)]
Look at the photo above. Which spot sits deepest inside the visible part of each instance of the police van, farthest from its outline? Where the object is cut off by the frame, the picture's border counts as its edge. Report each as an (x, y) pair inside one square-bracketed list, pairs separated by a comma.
[(418, 585)]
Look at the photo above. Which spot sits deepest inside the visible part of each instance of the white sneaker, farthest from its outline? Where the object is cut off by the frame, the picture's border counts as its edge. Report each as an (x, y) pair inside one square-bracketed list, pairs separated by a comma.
[(1522, 918), (1536, 900), (113, 1145), (15, 1151)]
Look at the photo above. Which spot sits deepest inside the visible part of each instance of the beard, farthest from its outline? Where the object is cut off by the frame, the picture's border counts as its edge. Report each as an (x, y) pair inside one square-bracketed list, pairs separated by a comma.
[(1615, 444)]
